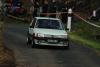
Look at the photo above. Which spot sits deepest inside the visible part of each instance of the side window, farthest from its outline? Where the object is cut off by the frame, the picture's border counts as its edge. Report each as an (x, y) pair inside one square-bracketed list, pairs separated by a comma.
[(33, 23)]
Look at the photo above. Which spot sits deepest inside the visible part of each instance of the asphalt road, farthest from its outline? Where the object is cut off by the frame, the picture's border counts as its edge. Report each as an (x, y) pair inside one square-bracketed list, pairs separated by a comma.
[(77, 56)]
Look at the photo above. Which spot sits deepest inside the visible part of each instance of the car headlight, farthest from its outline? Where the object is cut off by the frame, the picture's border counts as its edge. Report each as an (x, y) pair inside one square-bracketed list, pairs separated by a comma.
[(40, 35), (61, 36)]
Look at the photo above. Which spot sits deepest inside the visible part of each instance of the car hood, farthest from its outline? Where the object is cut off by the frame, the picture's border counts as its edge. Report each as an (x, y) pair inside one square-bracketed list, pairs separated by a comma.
[(50, 31)]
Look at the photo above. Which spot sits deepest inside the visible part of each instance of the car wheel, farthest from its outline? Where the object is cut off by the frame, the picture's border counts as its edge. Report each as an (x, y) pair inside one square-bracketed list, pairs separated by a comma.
[(68, 45), (28, 41), (33, 45)]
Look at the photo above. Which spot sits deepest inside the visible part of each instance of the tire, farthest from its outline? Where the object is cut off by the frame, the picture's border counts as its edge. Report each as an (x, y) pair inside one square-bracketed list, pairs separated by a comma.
[(67, 47), (33, 45), (28, 42)]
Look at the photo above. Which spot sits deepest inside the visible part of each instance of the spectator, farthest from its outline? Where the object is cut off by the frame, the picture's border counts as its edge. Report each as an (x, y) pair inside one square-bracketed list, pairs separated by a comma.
[(36, 7), (65, 10), (59, 5), (5, 10), (45, 7), (95, 15), (98, 14), (53, 8), (32, 11), (14, 10)]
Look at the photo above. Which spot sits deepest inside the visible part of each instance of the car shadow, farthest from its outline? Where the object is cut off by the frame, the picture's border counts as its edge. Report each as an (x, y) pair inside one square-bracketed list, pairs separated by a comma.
[(52, 47)]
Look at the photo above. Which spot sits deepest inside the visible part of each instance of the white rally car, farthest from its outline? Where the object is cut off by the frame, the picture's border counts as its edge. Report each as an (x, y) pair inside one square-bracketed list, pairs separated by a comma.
[(47, 31)]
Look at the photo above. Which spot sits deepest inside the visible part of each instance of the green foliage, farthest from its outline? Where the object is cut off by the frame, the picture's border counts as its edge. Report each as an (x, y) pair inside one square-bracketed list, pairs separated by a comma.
[(85, 34), (87, 5), (92, 3), (86, 31), (82, 41)]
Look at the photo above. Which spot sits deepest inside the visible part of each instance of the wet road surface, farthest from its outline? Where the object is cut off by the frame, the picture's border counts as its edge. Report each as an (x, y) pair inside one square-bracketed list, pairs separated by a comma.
[(77, 56)]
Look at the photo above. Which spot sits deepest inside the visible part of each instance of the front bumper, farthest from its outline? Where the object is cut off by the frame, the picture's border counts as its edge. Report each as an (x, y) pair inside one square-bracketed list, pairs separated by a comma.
[(52, 41)]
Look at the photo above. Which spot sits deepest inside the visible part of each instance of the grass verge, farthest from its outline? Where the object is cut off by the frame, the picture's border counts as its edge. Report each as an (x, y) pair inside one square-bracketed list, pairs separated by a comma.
[(85, 34), (6, 55), (83, 41)]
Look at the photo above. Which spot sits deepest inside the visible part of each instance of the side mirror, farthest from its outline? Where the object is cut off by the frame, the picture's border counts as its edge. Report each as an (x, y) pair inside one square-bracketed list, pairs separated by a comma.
[(67, 29), (31, 26)]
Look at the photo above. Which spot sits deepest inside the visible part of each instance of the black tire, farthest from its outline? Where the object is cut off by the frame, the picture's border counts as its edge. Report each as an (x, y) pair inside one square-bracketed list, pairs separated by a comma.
[(67, 47), (33, 45), (28, 41)]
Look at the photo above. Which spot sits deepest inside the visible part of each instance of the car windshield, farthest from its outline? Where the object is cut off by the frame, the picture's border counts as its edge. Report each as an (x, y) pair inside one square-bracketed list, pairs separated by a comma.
[(49, 24)]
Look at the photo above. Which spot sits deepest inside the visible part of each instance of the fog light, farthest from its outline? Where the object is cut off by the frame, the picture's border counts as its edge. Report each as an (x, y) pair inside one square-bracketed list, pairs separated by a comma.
[(41, 41), (61, 42)]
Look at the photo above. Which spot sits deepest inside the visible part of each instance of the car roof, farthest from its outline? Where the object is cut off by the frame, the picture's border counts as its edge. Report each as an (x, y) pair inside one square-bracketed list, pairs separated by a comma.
[(47, 18)]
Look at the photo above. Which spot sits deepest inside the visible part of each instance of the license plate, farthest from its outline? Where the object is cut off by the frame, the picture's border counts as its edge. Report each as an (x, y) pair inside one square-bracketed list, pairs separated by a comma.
[(52, 41)]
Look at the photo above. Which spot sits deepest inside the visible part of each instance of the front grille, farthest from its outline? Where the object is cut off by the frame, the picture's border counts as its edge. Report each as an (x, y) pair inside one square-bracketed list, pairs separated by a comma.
[(52, 41)]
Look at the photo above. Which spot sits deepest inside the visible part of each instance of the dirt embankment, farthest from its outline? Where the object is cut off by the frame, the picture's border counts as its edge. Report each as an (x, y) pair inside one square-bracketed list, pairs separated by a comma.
[(6, 55)]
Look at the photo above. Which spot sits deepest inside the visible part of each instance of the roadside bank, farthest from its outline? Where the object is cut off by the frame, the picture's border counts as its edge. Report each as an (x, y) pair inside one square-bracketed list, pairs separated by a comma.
[(6, 55)]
